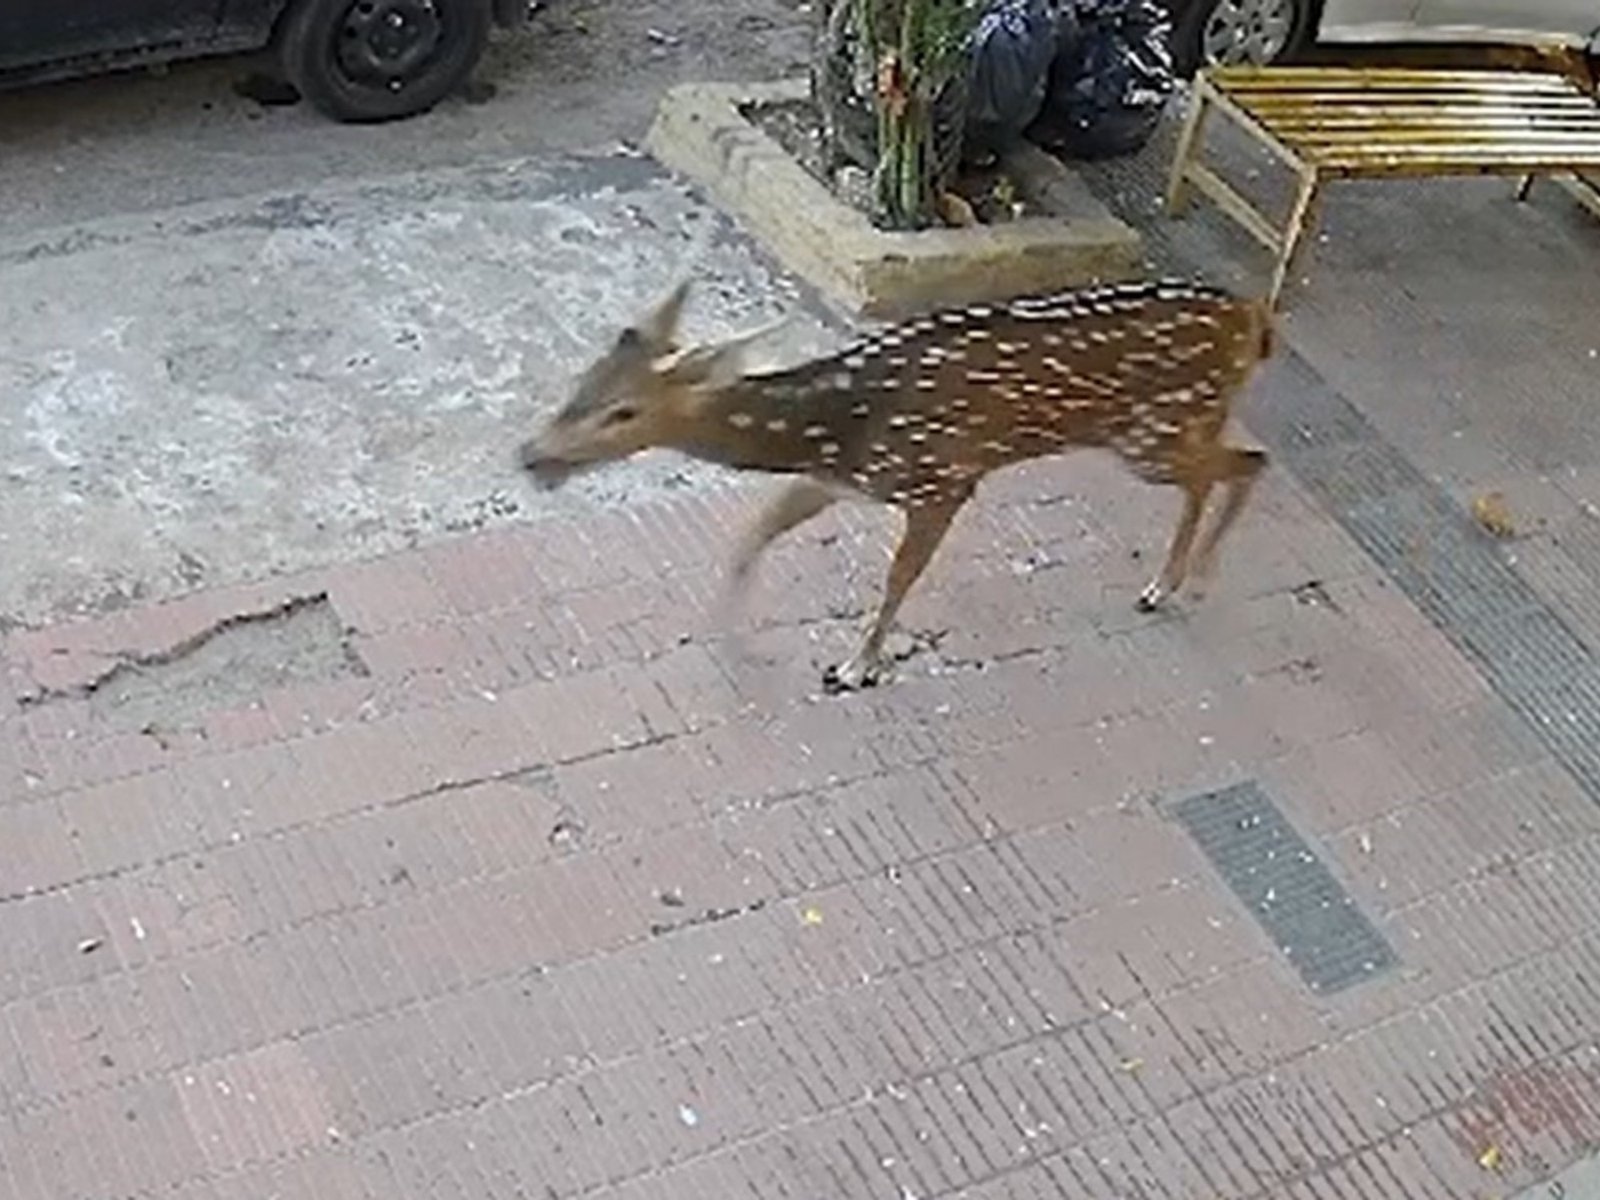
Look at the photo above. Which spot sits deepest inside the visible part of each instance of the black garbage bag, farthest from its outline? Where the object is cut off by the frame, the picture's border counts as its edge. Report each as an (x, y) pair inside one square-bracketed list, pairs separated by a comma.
[(1013, 47), (1110, 81)]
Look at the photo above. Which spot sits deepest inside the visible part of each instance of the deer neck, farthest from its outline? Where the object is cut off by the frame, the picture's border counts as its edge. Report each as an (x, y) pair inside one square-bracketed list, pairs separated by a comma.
[(759, 422)]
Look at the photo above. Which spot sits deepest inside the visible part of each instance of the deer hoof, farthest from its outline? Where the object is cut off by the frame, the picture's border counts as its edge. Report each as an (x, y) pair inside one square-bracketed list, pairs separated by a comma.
[(1152, 598), (852, 676)]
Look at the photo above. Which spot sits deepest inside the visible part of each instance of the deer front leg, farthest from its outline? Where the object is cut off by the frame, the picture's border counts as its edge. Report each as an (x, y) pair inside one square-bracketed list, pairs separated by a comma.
[(800, 500), (796, 504), (925, 529)]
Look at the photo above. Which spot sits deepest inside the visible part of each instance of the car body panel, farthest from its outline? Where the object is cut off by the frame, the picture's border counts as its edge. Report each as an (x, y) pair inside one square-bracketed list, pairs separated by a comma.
[(1369, 20), (35, 32), (1565, 22), (1355, 13), (250, 20), (43, 41), (1565, 19)]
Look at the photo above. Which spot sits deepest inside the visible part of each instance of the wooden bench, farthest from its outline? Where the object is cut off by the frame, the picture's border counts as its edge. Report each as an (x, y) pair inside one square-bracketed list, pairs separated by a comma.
[(1387, 123)]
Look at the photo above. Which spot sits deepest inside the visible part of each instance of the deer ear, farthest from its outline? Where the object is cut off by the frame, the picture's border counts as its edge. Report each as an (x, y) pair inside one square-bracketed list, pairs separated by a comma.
[(660, 327), (724, 362), (706, 366), (716, 366)]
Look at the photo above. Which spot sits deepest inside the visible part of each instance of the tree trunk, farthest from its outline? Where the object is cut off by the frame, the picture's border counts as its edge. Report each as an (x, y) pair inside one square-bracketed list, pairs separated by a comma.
[(890, 99), (903, 189)]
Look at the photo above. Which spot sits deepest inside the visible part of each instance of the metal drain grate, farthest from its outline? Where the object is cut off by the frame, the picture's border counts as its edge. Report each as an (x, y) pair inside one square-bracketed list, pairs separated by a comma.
[(1277, 876)]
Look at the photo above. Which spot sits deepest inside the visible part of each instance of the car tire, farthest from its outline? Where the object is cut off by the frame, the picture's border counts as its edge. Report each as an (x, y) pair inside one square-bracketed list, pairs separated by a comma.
[(1192, 17), (380, 60)]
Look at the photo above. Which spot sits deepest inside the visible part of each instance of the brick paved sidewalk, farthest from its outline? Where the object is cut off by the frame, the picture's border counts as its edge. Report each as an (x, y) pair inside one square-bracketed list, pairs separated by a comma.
[(533, 885)]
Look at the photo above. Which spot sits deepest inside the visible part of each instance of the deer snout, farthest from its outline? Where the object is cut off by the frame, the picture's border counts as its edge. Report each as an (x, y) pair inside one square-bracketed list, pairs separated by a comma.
[(548, 470)]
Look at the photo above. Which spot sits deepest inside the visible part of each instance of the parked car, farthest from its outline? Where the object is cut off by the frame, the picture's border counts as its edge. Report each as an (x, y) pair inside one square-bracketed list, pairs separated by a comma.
[(355, 60), (1211, 32)]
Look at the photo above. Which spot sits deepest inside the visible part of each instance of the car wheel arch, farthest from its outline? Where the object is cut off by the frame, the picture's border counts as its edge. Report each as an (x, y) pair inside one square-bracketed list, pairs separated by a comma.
[(1190, 18)]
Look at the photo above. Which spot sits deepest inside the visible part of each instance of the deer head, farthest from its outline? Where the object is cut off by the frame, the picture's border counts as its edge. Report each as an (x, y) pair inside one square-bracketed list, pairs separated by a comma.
[(641, 394)]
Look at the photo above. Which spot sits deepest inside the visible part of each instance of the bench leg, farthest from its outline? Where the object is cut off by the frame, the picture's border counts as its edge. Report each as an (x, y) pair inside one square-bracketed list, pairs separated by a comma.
[(1301, 216), (1188, 146), (1585, 189), (1524, 186)]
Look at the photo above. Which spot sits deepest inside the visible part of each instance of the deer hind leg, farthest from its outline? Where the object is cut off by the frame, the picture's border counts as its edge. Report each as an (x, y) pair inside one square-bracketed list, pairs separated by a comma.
[(924, 531), (1195, 491), (1239, 471)]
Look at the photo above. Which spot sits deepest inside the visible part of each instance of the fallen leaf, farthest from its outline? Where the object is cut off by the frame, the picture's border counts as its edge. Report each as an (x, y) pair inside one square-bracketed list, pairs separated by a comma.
[(811, 916), (1490, 511), (1489, 1160)]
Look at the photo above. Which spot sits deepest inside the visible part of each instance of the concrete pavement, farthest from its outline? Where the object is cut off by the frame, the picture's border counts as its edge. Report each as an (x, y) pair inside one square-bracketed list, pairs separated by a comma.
[(584, 74), (230, 390), (493, 867), (551, 891), (211, 367)]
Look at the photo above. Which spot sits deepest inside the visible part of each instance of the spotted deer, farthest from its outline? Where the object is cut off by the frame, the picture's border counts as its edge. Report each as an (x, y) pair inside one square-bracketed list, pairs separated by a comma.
[(916, 414)]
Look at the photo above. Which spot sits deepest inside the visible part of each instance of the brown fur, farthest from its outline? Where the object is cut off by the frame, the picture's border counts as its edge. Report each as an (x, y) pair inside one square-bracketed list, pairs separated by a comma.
[(916, 414)]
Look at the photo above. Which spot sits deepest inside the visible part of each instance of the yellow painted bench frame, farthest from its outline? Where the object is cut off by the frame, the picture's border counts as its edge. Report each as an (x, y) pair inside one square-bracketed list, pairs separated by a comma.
[(1386, 123)]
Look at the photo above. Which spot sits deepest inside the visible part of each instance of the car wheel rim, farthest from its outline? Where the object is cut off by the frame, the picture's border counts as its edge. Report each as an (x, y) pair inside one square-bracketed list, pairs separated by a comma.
[(1247, 31), (388, 43)]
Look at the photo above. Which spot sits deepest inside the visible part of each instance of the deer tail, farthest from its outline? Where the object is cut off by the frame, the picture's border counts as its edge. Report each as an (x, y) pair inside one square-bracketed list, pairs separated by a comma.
[(1266, 327)]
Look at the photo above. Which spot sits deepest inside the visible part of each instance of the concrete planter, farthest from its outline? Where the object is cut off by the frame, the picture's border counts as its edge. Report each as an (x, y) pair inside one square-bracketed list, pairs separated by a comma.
[(702, 132)]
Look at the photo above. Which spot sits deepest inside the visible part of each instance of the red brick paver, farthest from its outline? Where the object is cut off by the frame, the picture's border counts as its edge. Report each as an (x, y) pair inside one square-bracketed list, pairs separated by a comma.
[(572, 896)]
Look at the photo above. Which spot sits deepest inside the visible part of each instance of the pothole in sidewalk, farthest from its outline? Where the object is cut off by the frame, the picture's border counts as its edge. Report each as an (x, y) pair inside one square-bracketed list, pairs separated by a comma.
[(228, 666)]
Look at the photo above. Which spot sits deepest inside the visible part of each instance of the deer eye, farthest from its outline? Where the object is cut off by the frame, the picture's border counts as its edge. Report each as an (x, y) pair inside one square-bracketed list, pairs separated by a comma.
[(620, 416)]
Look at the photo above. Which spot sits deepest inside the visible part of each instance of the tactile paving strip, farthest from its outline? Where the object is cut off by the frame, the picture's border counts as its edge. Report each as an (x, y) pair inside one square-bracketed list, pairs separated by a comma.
[(1427, 545), (1411, 527), (1284, 884)]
